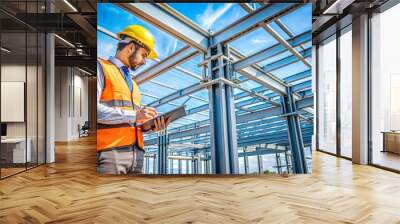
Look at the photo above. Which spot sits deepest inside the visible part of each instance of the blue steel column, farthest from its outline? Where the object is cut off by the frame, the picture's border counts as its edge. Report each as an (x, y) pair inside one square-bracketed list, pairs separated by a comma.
[(162, 152), (224, 156), (294, 132)]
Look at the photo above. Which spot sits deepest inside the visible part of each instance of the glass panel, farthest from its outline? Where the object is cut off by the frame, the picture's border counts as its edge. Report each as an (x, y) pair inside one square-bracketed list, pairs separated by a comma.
[(346, 94), (385, 83), (327, 96), (32, 98), (41, 99), (14, 153)]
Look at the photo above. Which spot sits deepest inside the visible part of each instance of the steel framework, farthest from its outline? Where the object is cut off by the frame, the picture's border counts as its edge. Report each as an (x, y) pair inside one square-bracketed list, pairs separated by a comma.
[(273, 118)]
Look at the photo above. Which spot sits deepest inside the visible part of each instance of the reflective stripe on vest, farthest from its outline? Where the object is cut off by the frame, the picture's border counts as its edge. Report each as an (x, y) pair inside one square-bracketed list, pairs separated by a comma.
[(116, 94), (117, 103)]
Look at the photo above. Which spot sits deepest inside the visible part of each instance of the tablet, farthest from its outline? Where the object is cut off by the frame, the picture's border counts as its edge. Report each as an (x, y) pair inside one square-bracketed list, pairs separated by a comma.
[(174, 114)]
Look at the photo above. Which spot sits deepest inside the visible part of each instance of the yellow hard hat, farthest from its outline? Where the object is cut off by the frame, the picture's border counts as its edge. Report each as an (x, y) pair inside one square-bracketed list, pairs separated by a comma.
[(142, 36)]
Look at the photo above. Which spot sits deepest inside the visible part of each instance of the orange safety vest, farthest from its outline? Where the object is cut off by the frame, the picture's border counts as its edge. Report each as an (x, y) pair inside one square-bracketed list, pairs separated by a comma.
[(116, 94)]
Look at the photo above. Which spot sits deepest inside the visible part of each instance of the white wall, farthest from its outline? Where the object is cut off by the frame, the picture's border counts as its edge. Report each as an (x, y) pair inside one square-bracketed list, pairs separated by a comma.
[(12, 73), (71, 107), (33, 127)]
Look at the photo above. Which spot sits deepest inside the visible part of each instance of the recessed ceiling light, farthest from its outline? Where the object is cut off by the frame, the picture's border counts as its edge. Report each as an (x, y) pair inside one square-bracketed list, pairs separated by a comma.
[(5, 50), (70, 5), (86, 72), (64, 40)]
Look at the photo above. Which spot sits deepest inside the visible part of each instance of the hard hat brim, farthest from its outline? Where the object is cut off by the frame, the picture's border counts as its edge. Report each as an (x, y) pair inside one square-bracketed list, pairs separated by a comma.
[(152, 55)]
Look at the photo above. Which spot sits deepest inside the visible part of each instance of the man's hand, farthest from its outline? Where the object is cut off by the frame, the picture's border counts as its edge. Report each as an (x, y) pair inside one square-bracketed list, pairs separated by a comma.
[(145, 114), (161, 123)]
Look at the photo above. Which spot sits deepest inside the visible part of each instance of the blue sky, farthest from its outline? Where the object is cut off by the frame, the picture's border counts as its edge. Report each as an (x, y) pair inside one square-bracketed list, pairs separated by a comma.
[(211, 17)]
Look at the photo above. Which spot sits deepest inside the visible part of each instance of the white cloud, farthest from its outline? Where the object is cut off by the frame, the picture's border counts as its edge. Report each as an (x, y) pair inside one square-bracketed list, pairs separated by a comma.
[(210, 15), (106, 49), (258, 40)]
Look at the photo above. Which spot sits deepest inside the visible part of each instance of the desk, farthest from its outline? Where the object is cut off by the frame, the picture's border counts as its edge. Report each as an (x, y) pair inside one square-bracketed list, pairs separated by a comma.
[(13, 150), (391, 142)]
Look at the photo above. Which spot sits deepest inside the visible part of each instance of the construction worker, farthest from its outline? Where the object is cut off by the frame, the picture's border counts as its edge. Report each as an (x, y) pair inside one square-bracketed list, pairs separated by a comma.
[(120, 145)]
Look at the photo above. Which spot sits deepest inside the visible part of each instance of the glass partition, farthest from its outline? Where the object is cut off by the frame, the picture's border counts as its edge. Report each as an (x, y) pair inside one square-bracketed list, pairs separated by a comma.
[(22, 90)]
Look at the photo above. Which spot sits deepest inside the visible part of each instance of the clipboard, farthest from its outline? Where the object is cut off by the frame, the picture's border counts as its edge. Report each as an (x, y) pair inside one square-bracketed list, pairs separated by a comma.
[(174, 114)]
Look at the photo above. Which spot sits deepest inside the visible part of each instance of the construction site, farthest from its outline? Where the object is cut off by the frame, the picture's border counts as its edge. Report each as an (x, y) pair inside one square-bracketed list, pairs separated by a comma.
[(245, 84)]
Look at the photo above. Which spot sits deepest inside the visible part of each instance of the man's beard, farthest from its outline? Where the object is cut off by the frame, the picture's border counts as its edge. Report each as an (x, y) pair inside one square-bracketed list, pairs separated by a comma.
[(132, 61)]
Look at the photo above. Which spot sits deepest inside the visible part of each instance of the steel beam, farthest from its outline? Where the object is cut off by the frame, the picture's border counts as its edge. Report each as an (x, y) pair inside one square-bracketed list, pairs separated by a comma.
[(169, 21), (269, 112), (264, 14), (277, 138), (286, 30), (264, 151), (197, 109), (269, 82), (302, 86), (163, 66), (286, 61), (178, 94), (257, 74), (288, 80), (270, 51), (303, 104), (176, 58), (278, 133), (277, 37), (298, 76)]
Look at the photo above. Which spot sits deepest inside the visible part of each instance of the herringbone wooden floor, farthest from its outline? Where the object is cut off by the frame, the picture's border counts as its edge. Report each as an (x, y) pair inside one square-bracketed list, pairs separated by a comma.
[(70, 191)]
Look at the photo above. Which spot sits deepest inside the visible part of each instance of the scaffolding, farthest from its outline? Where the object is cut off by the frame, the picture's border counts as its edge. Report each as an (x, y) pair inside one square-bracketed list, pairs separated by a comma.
[(237, 108)]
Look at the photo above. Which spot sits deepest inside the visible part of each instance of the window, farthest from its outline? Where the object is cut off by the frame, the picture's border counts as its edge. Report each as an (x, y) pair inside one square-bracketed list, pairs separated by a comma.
[(385, 84), (346, 93), (327, 95)]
